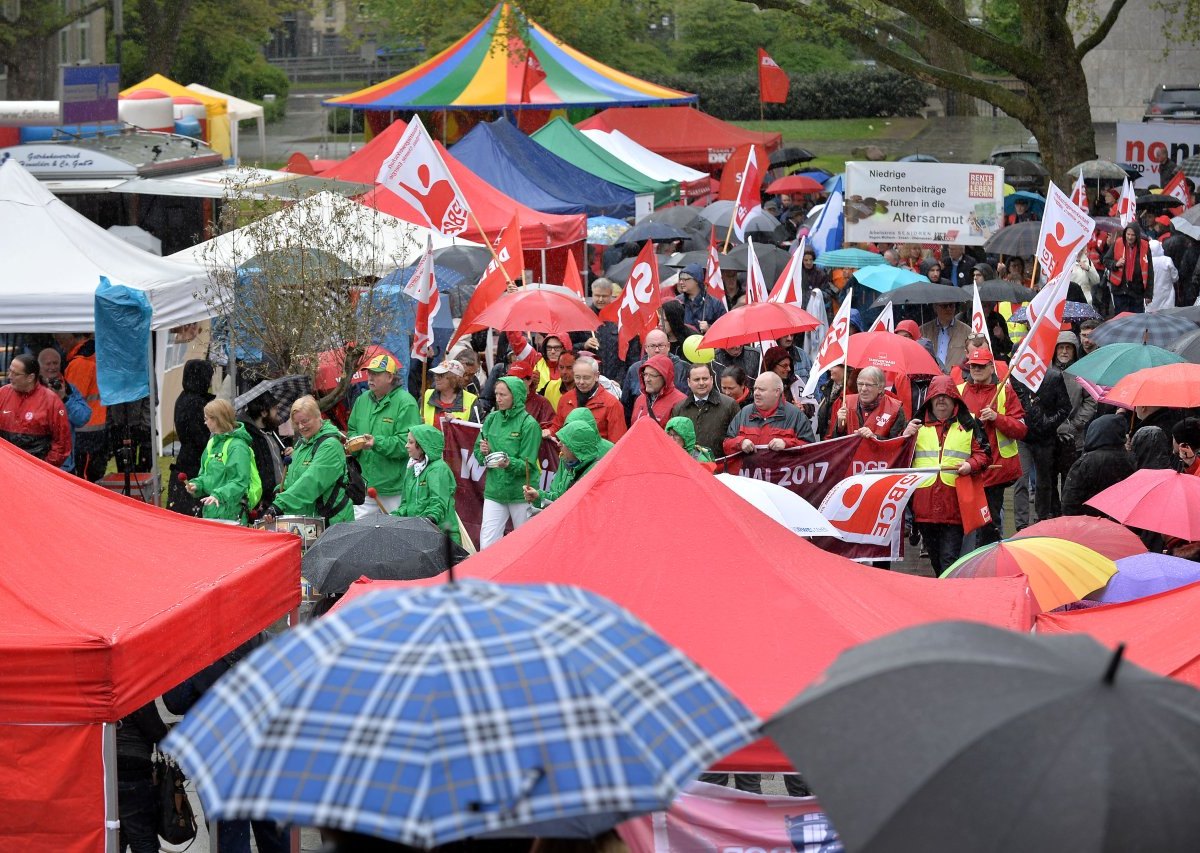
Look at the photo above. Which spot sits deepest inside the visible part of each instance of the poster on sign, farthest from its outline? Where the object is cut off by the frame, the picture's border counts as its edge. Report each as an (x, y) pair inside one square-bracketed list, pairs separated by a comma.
[(923, 202), (1141, 144)]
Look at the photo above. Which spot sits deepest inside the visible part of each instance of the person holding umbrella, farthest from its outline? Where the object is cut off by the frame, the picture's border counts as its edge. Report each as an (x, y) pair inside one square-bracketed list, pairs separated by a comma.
[(381, 417), (223, 484), (508, 447), (427, 484)]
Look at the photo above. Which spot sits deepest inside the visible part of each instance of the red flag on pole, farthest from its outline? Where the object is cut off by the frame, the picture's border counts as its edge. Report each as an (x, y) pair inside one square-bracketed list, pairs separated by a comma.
[(494, 280), (423, 288), (416, 172), (532, 75), (571, 278), (772, 80), (713, 282), (636, 312), (735, 169), (1079, 194), (749, 197), (1178, 188), (789, 285)]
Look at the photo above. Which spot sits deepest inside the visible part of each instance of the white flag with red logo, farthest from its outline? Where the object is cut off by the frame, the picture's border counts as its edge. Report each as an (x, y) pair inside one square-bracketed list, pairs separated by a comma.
[(1079, 194), (712, 270), (1127, 204), (979, 319), (835, 346), (788, 287), (886, 321), (869, 508), (423, 288), (636, 312), (495, 279), (756, 284), (1065, 230), (416, 172), (749, 197), (1036, 351), (1178, 188)]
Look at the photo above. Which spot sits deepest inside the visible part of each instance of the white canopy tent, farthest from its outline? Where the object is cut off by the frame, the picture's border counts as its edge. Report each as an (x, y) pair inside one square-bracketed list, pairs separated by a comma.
[(239, 111), (643, 159)]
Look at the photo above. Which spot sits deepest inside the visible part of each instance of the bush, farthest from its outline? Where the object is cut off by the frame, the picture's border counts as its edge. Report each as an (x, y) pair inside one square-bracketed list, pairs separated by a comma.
[(254, 78), (859, 93)]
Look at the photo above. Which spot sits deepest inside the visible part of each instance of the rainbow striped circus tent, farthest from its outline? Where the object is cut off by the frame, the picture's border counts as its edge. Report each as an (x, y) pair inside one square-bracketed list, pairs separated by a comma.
[(486, 69)]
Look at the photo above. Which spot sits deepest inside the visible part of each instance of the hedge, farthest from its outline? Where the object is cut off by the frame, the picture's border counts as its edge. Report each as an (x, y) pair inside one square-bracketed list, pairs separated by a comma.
[(860, 93)]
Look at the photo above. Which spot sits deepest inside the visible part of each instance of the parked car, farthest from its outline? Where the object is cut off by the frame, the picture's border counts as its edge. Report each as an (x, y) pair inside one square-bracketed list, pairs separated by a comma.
[(1174, 102), (1016, 151)]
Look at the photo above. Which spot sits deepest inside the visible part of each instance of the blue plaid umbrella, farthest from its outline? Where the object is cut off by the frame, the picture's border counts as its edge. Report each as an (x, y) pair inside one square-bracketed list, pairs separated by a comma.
[(1071, 311), (463, 710), (1158, 329)]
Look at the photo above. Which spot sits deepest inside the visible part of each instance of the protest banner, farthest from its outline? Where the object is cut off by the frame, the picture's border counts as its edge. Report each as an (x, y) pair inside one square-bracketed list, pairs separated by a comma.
[(869, 508), (923, 202), (1140, 144)]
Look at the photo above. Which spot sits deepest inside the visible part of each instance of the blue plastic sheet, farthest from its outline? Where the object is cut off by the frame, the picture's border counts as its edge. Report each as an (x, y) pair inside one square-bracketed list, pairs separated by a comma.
[(122, 343)]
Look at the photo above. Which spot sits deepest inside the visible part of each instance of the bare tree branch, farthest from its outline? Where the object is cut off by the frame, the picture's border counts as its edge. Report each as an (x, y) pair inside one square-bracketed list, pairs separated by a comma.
[(1102, 30)]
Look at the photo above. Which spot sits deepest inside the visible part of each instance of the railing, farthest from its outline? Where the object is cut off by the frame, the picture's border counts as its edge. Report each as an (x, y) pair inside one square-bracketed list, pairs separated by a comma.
[(958, 104), (333, 67)]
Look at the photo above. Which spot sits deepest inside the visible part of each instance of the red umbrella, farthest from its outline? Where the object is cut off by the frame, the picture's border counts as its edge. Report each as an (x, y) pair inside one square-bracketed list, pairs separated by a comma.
[(1100, 534), (794, 184), (1175, 386), (760, 321), (538, 308), (331, 366), (1155, 499), (891, 353)]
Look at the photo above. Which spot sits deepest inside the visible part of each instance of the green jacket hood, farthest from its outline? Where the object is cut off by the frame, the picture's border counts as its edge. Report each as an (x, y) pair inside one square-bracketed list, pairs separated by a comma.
[(430, 440), (582, 439), (519, 392), (685, 429), (581, 415)]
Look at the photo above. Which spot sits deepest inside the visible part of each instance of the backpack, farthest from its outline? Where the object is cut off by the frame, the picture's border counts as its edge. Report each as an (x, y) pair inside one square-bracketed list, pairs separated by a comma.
[(352, 485), (255, 491)]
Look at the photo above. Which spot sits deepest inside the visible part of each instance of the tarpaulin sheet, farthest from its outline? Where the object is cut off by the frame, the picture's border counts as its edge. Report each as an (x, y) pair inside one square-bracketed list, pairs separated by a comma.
[(122, 343), (761, 609)]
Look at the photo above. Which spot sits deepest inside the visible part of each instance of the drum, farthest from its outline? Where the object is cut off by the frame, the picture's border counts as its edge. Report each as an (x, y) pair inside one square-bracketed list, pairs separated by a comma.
[(308, 528)]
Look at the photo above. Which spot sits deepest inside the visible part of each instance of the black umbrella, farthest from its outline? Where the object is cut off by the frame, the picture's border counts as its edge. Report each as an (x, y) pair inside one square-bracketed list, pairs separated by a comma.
[(470, 261), (381, 547), (681, 216), (619, 272), (771, 259), (1001, 290), (923, 293), (1020, 167), (285, 390), (1020, 239), (791, 155), (1189, 345), (958, 736), (1157, 202), (646, 230)]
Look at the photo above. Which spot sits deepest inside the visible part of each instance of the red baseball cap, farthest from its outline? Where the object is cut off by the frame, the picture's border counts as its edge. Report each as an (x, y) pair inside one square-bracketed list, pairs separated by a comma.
[(979, 355), (520, 370)]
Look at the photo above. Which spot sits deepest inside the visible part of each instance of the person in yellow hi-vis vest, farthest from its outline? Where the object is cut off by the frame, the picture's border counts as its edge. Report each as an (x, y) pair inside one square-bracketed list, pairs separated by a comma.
[(1003, 417), (952, 443)]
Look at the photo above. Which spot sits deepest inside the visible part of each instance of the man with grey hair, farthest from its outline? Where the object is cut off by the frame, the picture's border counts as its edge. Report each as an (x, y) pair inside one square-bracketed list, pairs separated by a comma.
[(603, 343), (870, 413), (770, 421), (588, 393), (893, 260)]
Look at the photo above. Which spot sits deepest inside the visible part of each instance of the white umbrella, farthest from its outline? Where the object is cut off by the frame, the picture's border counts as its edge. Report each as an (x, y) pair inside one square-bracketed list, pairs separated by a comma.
[(787, 508)]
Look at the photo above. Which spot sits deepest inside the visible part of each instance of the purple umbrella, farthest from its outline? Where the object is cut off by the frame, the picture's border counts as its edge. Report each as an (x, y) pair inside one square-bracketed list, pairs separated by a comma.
[(1147, 574)]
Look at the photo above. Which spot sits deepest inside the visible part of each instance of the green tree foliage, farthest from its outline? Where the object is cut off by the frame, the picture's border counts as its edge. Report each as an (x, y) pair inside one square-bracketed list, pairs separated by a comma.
[(26, 33)]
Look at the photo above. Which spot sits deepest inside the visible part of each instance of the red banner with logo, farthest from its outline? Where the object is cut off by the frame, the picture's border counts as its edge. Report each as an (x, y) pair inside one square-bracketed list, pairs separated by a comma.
[(468, 472)]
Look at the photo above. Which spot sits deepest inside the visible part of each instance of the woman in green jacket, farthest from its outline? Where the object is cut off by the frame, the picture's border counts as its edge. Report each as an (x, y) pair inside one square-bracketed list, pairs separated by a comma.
[(508, 446), (582, 448), (223, 483), (427, 486), (313, 485), (684, 432)]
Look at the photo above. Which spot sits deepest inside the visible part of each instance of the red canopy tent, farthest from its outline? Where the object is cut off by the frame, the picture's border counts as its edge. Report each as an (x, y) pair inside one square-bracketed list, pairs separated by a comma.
[(760, 608), (107, 604), (544, 236), (682, 134), (1158, 630)]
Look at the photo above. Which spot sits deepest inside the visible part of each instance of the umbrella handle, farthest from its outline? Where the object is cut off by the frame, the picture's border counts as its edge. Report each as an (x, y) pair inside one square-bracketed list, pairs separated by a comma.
[(532, 776)]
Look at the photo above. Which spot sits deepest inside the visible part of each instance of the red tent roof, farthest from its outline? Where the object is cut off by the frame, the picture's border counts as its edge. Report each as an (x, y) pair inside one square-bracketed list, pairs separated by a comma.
[(1158, 630), (761, 609), (682, 134), (493, 208), (109, 602)]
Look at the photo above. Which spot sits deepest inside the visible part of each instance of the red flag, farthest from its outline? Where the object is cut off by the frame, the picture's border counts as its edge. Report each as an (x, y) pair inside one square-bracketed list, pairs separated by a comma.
[(494, 280), (1036, 351), (735, 167), (636, 312), (571, 278), (885, 322), (416, 172), (1178, 188), (712, 270), (749, 197), (1079, 194), (788, 287), (423, 288), (772, 80), (532, 74)]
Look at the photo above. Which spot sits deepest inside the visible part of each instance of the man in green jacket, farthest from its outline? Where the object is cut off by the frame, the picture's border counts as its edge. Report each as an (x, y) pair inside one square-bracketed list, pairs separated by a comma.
[(507, 446), (313, 485), (582, 448), (428, 484), (382, 416)]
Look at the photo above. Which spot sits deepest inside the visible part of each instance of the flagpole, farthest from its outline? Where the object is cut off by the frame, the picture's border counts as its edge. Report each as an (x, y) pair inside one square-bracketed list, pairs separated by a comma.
[(729, 231)]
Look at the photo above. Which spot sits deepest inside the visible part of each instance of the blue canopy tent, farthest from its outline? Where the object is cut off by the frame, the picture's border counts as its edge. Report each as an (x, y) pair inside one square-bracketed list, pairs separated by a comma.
[(517, 166)]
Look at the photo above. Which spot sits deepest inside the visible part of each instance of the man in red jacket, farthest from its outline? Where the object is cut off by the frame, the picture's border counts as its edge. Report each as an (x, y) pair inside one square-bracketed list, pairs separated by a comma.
[(607, 409), (1003, 417), (659, 394), (871, 412), (32, 417), (769, 421)]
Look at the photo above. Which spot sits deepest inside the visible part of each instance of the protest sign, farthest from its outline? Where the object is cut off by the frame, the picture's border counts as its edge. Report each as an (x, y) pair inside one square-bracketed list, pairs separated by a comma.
[(1140, 144)]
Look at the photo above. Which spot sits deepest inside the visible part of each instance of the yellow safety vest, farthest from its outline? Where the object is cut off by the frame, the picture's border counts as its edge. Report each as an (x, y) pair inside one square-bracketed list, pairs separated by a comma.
[(1007, 446), (1016, 331), (429, 413), (930, 454)]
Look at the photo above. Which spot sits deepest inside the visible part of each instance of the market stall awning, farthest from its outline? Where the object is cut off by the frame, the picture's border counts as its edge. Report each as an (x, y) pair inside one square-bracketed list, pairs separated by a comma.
[(486, 69)]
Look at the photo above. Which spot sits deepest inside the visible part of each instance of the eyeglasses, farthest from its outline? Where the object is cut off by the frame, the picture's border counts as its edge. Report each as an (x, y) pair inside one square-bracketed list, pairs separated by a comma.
[(979, 366), (553, 347), (686, 278), (868, 385), (12, 374)]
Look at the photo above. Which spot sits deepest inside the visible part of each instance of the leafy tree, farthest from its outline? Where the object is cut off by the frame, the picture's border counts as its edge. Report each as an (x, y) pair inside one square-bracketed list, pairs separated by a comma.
[(26, 39)]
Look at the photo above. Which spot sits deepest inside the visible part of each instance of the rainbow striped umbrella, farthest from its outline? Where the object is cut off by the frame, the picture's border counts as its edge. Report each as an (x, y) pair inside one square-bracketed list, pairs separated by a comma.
[(489, 68), (1058, 571)]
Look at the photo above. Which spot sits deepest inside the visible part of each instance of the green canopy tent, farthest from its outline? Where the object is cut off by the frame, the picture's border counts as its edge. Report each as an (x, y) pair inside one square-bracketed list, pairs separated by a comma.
[(560, 137)]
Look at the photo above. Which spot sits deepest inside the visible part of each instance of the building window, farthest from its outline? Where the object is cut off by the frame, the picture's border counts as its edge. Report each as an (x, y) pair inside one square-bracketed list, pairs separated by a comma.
[(84, 28)]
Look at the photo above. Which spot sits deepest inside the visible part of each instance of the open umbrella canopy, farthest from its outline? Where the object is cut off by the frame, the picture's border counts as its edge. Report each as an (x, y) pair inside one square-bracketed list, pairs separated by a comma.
[(1158, 202), (380, 547), (1158, 328), (285, 390), (1002, 290), (781, 504), (657, 231), (760, 321), (720, 214), (923, 293), (1058, 571), (791, 155), (1104, 170), (1071, 311), (794, 185), (456, 711), (1171, 385), (538, 308), (1108, 224), (1147, 574), (953, 737), (619, 272), (1036, 202), (849, 259), (1160, 500), (771, 259), (1187, 347), (681, 216), (1019, 239), (891, 353), (884, 278), (1110, 364), (1102, 535)]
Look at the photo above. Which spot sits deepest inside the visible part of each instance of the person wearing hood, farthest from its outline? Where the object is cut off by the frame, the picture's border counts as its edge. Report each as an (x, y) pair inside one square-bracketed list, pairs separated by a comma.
[(699, 309), (656, 343), (1130, 271), (543, 361), (382, 416), (951, 441), (538, 407), (1046, 409), (1083, 408), (508, 446), (1165, 279), (193, 434), (427, 484), (1185, 444), (581, 447), (659, 395), (223, 484), (314, 484), (683, 432), (1105, 462)]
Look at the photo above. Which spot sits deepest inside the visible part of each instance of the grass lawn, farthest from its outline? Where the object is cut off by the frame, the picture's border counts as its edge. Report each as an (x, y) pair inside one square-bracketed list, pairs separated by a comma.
[(835, 130)]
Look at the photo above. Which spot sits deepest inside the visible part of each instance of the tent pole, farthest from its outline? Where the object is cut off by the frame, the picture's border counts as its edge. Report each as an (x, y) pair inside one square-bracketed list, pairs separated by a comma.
[(112, 820)]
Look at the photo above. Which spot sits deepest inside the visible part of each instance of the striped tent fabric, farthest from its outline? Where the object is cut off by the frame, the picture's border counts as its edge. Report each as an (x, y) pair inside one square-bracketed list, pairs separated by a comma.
[(485, 69)]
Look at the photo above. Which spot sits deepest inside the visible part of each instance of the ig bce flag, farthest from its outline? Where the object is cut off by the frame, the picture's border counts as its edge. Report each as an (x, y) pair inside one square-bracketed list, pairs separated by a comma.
[(416, 172)]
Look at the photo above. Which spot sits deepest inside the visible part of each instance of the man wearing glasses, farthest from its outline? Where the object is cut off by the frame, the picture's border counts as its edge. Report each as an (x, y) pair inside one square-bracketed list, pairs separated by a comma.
[(871, 413), (699, 309), (32, 417)]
